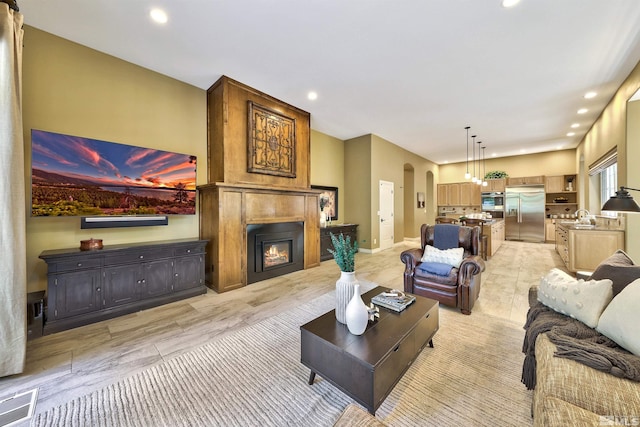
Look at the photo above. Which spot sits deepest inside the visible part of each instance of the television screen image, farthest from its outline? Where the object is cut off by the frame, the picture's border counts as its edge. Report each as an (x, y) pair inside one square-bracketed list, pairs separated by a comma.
[(76, 176)]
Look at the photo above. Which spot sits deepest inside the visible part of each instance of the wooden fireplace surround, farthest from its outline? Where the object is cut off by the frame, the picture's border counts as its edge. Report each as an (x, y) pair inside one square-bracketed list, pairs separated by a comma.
[(235, 197)]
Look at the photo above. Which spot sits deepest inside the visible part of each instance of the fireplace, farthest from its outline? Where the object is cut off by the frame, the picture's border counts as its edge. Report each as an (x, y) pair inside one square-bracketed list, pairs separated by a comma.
[(274, 250)]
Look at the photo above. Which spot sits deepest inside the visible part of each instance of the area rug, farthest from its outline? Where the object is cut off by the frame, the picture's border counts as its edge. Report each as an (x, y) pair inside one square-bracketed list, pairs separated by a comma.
[(253, 377)]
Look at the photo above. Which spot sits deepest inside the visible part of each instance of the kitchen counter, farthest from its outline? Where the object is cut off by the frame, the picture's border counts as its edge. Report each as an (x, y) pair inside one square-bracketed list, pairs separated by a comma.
[(585, 248), (572, 225)]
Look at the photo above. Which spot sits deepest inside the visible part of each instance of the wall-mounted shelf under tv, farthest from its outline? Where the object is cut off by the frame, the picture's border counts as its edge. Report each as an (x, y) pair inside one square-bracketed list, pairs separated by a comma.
[(123, 221)]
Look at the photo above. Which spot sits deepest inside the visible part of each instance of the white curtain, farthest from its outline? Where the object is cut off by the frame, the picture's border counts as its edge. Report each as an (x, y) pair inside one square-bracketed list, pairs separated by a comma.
[(13, 270)]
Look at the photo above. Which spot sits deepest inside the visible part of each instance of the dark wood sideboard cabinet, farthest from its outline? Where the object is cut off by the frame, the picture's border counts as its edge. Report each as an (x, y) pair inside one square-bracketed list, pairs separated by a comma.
[(325, 237), (89, 286)]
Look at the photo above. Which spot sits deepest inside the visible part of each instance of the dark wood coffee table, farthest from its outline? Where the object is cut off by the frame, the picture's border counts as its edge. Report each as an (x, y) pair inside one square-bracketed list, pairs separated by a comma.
[(368, 366)]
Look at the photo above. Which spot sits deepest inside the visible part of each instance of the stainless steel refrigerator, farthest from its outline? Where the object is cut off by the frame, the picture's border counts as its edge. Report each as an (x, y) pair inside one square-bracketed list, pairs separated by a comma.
[(524, 213)]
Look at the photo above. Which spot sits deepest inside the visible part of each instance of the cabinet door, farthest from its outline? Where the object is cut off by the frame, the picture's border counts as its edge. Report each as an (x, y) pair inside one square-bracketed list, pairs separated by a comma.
[(497, 184), (550, 230), (453, 194), (443, 195), (157, 278), (554, 184), (73, 293), (188, 272), (122, 284), (466, 189)]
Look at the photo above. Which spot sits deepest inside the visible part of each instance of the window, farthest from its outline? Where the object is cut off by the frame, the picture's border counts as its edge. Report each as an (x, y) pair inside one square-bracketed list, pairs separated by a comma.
[(608, 185), (605, 170)]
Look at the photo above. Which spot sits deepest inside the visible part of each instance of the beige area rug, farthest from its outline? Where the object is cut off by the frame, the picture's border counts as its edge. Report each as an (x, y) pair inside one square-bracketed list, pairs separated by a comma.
[(254, 377)]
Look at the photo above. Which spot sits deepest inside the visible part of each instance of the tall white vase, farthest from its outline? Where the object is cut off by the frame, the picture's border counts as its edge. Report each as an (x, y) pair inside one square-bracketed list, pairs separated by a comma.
[(344, 292), (357, 314), (323, 219)]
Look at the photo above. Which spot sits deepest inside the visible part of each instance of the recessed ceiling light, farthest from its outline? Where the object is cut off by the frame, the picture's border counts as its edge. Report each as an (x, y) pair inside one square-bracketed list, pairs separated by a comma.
[(559, 147), (590, 95), (575, 125), (582, 111), (509, 3), (571, 134), (446, 161), (312, 95), (493, 155), (523, 151), (159, 16)]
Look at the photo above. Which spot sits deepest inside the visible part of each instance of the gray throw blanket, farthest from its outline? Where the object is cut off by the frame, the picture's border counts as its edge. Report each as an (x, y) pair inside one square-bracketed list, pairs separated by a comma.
[(576, 341), (445, 236)]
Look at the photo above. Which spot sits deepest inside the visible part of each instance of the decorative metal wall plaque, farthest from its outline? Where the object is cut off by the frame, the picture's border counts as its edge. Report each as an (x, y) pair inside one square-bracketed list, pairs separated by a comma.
[(272, 142)]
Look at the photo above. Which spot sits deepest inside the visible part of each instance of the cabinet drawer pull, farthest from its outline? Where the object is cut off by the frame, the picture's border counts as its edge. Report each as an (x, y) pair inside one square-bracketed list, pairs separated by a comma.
[(427, 316), (98, 289), (397, 348), (79, 264), (141, 257), (188, 251)]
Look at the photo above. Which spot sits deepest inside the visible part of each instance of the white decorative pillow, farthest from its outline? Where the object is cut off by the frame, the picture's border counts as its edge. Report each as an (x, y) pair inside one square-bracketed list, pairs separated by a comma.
[(451, 257), (581, 300), (620, 320)]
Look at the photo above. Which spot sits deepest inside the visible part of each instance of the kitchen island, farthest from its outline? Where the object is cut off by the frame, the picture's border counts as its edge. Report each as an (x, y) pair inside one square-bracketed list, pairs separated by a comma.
[(584, 247)]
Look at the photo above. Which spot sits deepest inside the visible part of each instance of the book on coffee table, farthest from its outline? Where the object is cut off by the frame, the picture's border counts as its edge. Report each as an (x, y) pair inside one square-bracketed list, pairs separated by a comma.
[(396, 301)]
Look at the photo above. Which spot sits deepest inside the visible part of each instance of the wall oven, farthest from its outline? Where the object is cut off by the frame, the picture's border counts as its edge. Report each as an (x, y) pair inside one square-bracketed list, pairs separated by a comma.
[(493, 201)]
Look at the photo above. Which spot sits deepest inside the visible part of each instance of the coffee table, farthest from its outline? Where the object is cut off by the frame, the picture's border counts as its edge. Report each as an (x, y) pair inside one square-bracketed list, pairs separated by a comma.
[(368, 366)]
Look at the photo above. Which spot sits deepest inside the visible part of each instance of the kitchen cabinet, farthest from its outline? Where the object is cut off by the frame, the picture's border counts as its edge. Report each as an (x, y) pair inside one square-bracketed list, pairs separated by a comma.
[(525, 180), (497, 184), (585, 249), (470, 194), (453, 194), (88, 286), (560, 184), (495, 235), (459, 194), (550, 230)]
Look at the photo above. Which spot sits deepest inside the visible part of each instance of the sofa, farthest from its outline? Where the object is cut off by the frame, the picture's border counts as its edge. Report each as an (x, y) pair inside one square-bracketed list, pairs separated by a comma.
[(570, 393)]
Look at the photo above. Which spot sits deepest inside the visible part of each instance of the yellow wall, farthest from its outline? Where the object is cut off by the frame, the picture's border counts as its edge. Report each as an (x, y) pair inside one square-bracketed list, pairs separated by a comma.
[(68, 88), (633, 177), (370, 159), (562, 162), (327, 165), (609, 131)]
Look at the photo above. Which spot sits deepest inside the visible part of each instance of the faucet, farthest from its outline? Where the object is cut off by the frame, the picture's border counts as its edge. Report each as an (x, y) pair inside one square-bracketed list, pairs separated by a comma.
[(585, 218)]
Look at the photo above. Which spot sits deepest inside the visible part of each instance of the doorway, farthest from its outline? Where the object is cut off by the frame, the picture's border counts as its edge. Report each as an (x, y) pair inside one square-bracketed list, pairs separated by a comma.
[(386, 215)]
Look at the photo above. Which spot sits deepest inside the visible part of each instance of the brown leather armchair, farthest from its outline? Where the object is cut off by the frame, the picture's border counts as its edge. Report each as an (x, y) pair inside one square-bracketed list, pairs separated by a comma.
[(461, 287)]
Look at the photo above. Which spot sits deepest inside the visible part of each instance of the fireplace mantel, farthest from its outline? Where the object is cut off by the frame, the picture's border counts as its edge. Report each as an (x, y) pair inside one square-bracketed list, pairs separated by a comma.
[(237, 196), (226, 210)]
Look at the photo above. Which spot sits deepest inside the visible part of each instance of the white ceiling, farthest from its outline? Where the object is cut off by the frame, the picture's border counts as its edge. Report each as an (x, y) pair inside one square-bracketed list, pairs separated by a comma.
[(414, 72)]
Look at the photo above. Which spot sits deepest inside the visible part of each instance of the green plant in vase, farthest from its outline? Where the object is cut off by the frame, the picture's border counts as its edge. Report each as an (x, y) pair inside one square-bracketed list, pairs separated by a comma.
[(344, 252), (495, 175)]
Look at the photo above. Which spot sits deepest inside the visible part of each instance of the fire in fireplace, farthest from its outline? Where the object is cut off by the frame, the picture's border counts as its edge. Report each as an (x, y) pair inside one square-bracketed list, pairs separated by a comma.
[(274, 250)]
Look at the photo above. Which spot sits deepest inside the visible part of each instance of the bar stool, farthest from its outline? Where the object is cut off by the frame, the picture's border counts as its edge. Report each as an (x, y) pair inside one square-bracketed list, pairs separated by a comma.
[(446, 220), (484, 240)]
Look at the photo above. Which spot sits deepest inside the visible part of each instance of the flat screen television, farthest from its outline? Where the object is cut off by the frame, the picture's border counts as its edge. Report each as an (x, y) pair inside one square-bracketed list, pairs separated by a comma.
[(76, 176)]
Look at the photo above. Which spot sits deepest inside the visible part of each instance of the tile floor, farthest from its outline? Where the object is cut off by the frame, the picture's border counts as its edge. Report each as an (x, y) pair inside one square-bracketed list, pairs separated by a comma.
[(75, 362)]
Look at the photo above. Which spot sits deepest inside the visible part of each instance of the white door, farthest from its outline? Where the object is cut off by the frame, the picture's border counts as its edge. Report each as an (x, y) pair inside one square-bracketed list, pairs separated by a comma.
[(386, 214)]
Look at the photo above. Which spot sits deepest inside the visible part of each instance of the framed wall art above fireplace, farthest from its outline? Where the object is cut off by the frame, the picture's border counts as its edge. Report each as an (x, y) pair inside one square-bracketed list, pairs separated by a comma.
[(271, 142)]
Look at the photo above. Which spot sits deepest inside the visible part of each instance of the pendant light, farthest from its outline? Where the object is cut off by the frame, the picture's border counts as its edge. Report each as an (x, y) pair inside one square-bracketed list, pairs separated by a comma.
[(473, 146), (467, 175), (479, 180), (484, 169)]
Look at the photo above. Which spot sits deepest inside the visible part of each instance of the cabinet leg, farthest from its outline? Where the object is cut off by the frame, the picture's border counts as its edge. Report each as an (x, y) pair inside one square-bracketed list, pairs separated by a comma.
[(312, 377), (431, 343)]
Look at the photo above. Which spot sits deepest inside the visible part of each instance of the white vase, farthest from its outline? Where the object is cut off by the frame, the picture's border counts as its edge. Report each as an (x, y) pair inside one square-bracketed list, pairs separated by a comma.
[(344, 292), (323, 219), (357, 313)]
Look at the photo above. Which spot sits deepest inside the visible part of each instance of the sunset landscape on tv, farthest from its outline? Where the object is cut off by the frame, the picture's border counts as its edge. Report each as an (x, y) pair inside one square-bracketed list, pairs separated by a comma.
[(76, 176)]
